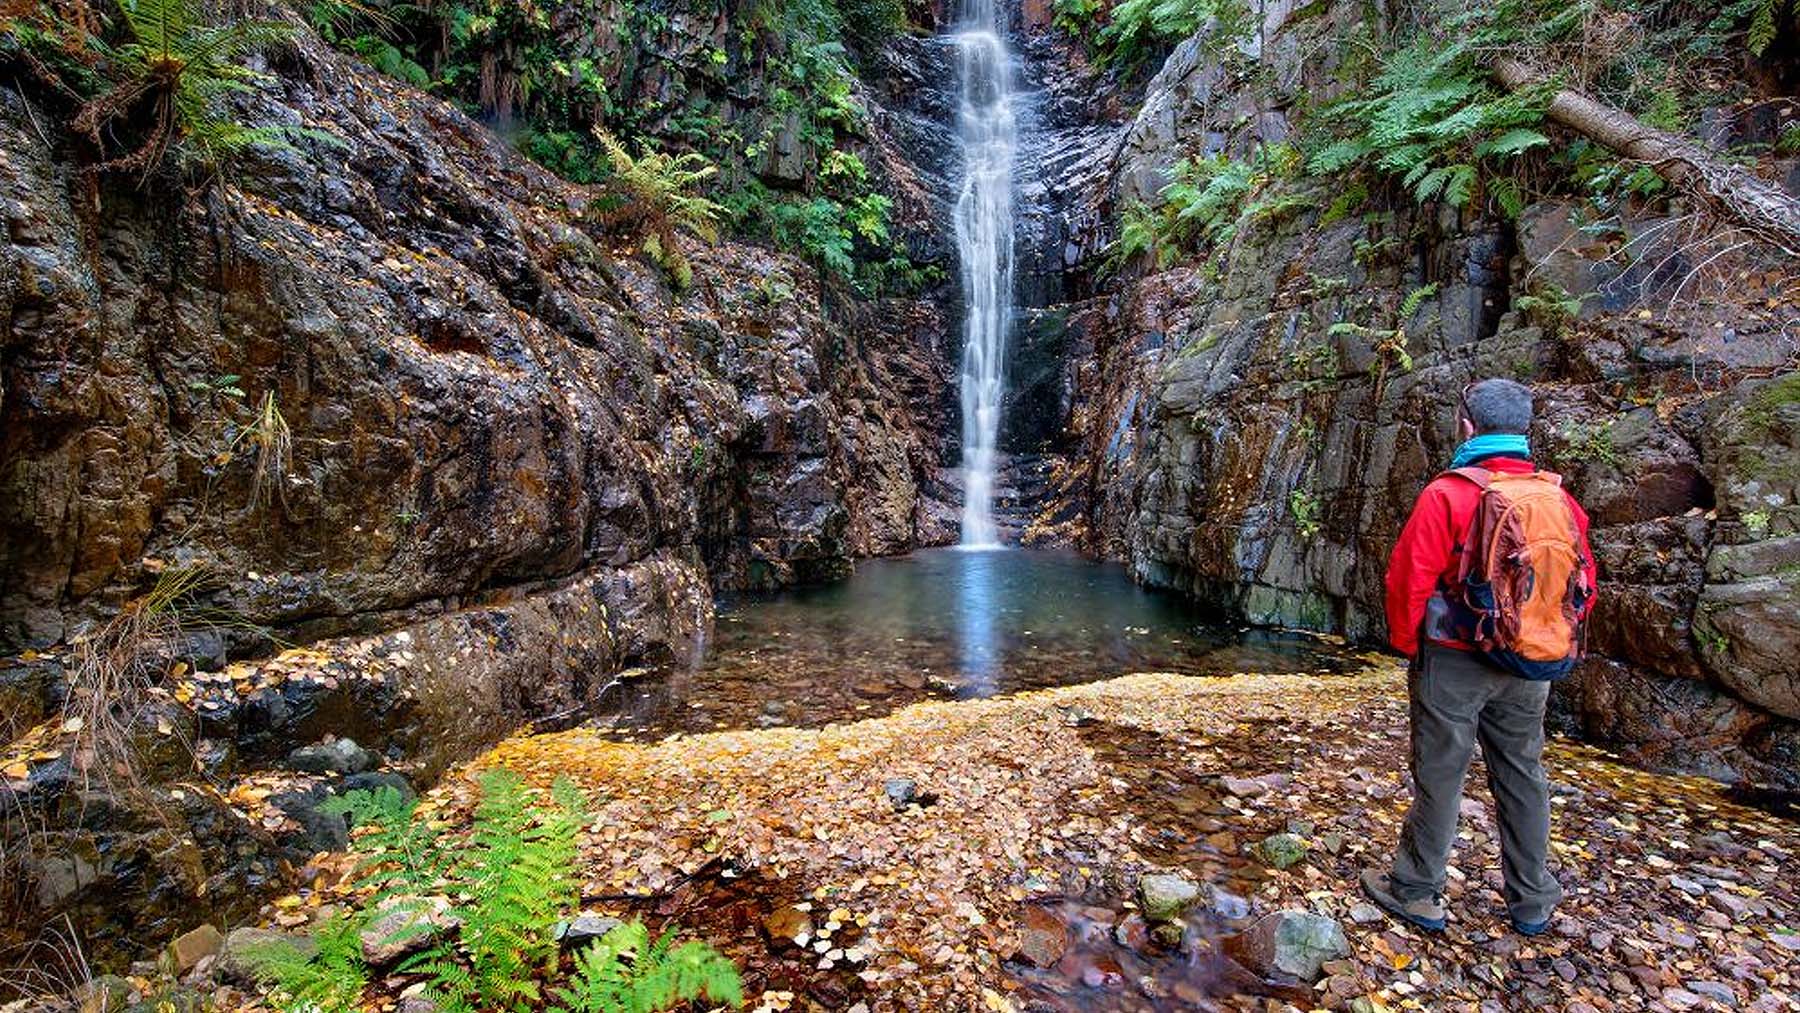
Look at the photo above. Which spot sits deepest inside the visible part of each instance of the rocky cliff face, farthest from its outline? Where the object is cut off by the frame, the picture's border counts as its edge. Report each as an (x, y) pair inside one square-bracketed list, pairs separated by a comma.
[(397, 400), (1235, 446)]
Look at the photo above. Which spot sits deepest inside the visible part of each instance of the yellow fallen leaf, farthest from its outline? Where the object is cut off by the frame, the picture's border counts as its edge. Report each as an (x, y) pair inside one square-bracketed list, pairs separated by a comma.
[(17, 771)]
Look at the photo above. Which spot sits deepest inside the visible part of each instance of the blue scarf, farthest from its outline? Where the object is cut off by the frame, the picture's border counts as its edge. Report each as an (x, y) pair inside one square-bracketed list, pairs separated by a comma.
[(1479, 448)]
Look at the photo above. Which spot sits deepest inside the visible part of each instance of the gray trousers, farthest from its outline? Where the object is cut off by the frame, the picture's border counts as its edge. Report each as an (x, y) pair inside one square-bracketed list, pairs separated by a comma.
[(1458, 699)]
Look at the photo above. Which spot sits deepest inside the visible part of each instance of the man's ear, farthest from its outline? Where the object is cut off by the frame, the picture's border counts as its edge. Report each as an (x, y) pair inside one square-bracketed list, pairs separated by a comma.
[(1464, 428)]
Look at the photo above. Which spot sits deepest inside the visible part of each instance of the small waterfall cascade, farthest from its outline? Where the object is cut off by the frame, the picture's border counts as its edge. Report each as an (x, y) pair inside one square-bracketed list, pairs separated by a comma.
[(984, 242)]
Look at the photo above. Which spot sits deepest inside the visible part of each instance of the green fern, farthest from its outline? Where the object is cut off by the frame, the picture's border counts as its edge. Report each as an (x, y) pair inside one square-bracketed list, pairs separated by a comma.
[(330, 981), (655, 198), (626, 972), (181, 65), (516, 873), (400, 856), (1765, 16), (1432, 118)]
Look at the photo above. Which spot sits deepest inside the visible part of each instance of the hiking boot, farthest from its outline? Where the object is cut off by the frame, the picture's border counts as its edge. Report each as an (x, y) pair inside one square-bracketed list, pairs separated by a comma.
[(1531, 928), (1426, 912)]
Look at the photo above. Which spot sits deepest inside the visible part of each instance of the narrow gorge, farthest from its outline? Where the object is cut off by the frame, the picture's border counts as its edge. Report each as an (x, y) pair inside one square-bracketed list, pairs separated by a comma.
[(899, 483)]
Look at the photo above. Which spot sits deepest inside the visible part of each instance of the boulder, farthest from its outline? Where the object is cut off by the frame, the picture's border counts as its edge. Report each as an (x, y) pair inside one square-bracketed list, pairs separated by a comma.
[(1165, 897), (193, 946), (1043, 938), (338, 756), (1290, 944), (238, 955), (402, 926)]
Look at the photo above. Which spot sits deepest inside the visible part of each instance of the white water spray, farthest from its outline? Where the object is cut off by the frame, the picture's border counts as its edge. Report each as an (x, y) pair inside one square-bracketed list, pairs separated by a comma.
[(984, 241)]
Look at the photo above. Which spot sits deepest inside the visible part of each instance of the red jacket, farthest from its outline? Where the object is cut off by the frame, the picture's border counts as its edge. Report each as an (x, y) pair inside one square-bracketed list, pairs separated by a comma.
[(1429, 544)]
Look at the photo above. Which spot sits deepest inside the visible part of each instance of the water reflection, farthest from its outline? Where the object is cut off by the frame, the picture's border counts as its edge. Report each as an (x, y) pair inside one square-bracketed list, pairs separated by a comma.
[(945, 623), (975, 593)]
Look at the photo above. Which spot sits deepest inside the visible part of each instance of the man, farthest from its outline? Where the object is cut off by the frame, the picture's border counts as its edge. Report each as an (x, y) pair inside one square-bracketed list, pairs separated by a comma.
[(1493, 638)]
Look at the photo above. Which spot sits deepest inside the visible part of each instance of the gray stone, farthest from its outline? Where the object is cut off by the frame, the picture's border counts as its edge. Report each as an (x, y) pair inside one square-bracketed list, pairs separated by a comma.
[(1282, 850), (242, 947), (403, 926), (585, 928), (1717, 991), (1165, 897), (1229, 905), (339, 756), (904, 791), (1291, 944)]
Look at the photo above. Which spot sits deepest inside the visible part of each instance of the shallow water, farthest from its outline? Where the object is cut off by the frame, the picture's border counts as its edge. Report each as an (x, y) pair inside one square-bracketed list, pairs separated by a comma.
[(943, 623)]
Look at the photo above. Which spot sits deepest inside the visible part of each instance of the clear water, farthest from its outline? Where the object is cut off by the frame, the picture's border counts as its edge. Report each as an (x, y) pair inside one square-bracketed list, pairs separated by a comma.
[(984, 245), (943, 623)]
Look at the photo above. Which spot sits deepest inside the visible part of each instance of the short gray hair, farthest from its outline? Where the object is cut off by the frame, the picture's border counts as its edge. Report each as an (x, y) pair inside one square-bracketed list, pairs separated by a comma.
[(1497, 406)]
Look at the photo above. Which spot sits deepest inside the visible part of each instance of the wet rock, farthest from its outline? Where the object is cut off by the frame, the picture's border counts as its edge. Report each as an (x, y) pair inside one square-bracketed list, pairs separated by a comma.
[(1103, 973), (1165, 897), (1228, 906), (337, 756), (1363, 913), (1282, 850), (1290, 944), (403, 926), (584, 928), (243, 946), (1043, 938), (1168, 935), (788, 925), (1133, 933), (193, 946)]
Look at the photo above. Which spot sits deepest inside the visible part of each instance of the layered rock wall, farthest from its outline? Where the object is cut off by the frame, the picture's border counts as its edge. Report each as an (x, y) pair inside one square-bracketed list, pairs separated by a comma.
[(401, 402)]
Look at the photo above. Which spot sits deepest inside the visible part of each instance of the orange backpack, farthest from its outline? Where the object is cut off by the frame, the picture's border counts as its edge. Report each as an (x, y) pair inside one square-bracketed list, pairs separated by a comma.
[(1522, 576)]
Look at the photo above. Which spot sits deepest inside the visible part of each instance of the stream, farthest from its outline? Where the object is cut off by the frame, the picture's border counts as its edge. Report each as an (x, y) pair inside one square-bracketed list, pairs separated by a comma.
[(943, 623)]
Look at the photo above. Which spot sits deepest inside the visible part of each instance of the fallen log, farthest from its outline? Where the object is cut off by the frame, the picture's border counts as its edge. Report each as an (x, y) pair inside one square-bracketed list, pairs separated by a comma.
[(1760, 207)]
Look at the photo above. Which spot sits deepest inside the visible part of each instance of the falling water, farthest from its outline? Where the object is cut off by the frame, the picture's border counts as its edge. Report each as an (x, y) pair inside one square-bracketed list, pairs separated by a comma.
[(984, 235)]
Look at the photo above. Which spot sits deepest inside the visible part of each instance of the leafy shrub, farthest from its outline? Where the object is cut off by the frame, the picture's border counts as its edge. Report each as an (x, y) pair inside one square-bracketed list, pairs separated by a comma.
[(329, 981), (1431, 118), (1137, 29), (165, 83), (513, 880), (657, 202), (1308, 513), (657, 976), (516, 871), (1205, 204)]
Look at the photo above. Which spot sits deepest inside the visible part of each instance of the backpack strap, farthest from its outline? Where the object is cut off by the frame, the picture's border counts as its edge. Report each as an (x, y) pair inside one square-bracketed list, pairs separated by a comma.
[(1480, 476)]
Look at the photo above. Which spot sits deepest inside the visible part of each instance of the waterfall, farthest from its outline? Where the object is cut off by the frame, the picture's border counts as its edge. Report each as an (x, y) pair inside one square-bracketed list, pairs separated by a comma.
[(984, 241)]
